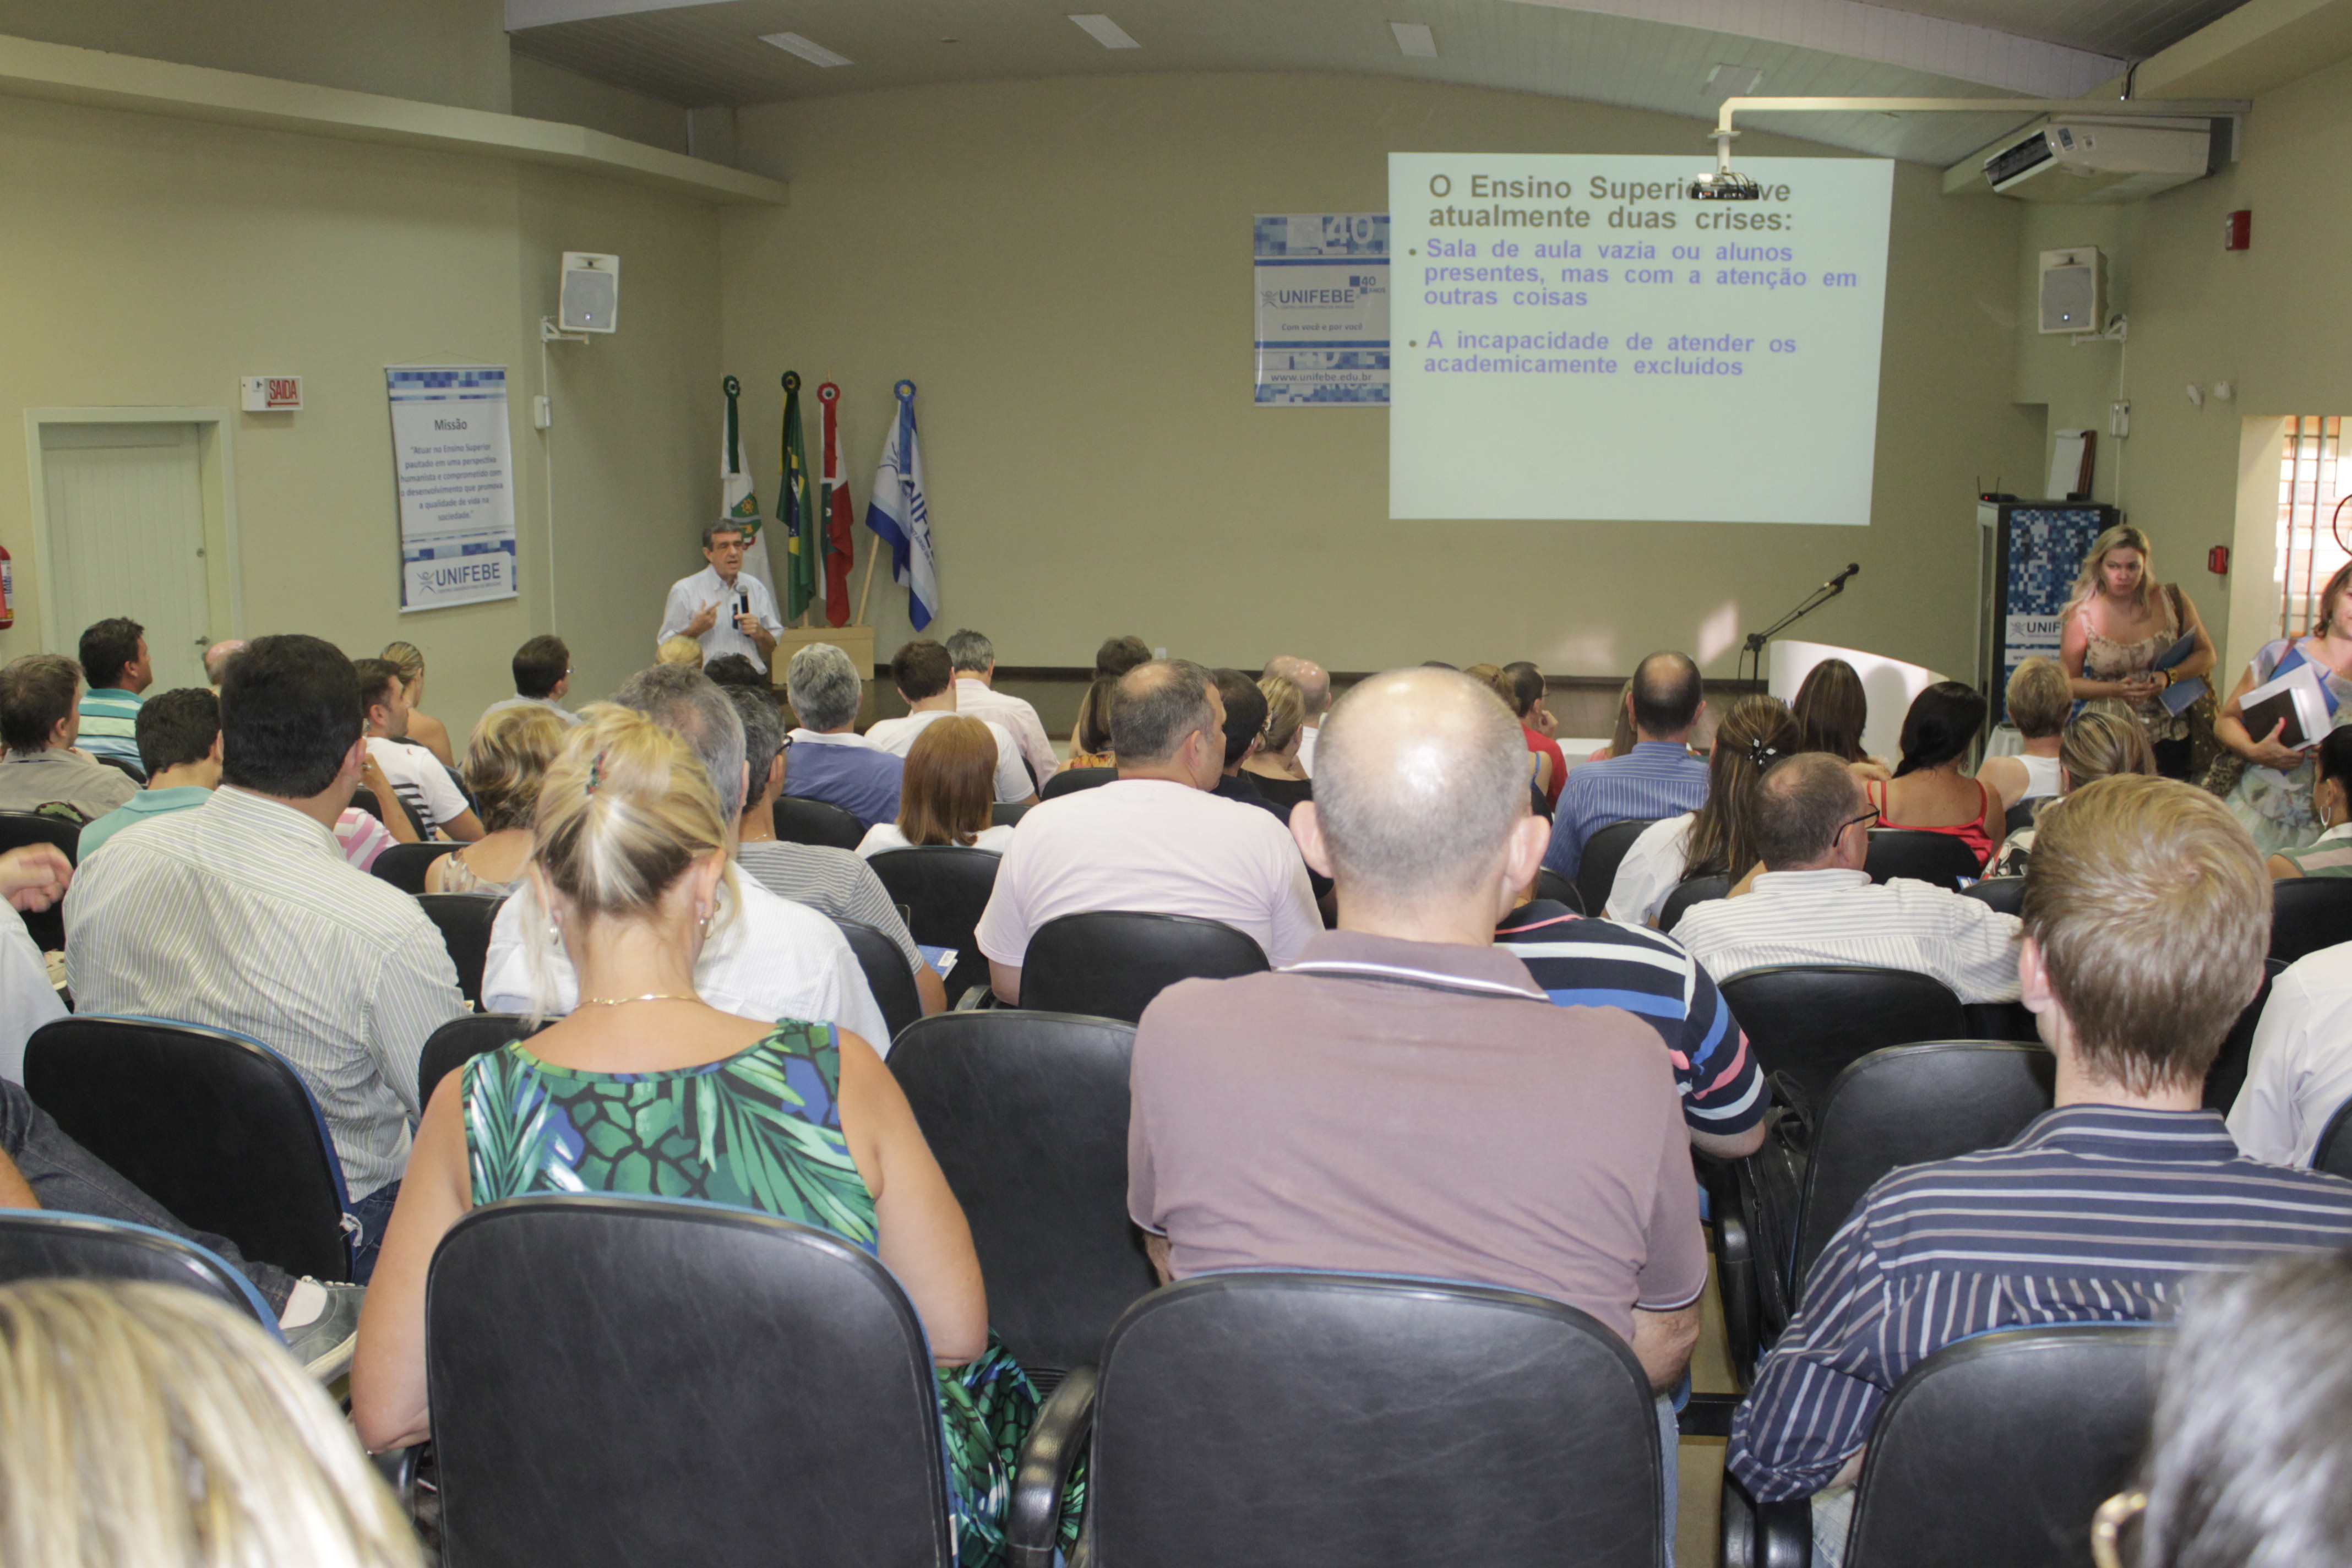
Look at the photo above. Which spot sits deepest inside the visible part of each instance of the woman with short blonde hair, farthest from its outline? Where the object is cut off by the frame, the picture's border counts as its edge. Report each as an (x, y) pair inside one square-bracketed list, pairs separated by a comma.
[(2105, 739), (2039, 701), (947, 794), (679, 650), (506, 757)]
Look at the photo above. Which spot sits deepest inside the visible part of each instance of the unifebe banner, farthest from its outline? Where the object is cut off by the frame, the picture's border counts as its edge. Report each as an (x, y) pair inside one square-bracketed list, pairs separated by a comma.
[(454, 472), (1322, 308)]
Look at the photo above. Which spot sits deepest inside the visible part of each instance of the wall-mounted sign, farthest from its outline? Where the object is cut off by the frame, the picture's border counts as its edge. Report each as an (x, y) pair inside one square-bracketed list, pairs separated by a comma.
[(1322, 308), (452, 463), (269, 393)]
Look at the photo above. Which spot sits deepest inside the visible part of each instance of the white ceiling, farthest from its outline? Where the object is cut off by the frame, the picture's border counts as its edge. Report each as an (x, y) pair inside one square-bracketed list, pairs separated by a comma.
[(1646, 54)]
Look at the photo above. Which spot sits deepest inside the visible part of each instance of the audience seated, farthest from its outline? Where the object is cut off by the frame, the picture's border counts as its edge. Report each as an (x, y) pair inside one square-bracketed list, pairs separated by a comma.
[(1315, 690), (2039, 701), (1274, 766), (836, 764), (216, 659), (2250, 1452), (506, 756), (764, 957), (1244, 727), (1387, 1102), (950, 782), (974, 658), (833, 882), (647, 1089), (2105, 739), (1526, 692), (149, 1424), (39, 723), (424, 730), (678, 650), (2147, 915), (33, 877), (178, 735), (1928, 792), (925, 679), (1659, 777), (1815, 904), (114, 662), (732, 669), (1717, 839), (242, 914), (414, 771), (2299, 1072), (542, 674), (1155, 839), (1090, 736), (1835, 710), (2330, 854)]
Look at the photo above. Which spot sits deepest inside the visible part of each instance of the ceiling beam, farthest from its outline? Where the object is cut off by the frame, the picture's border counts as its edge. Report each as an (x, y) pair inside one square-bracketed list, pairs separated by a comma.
[(521, 13)]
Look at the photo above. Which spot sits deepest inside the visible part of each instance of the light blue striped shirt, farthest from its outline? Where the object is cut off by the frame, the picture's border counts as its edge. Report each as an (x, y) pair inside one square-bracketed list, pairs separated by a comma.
[(109, 724), (1655, 779)]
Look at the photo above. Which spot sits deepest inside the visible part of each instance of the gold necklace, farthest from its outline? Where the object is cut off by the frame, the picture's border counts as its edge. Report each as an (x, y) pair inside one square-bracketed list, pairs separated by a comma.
[(624, 1001)]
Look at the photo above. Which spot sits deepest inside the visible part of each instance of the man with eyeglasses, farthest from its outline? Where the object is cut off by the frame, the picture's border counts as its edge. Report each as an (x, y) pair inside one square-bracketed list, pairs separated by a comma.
[(542, 674), (722, 606), (1813, 902)]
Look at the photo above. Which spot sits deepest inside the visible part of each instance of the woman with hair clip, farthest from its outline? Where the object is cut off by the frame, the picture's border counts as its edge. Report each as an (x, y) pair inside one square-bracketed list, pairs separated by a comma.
[(2330, 853), (1274, 766), (1714, 839), (2118, 622), (947, 794), (1929, 794), (423, 728), (645, 1089), (2104, 740), (2273, 796)]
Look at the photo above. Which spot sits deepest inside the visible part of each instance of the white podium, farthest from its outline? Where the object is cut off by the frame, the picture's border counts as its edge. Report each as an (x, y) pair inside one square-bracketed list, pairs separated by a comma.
[(1889, 683)]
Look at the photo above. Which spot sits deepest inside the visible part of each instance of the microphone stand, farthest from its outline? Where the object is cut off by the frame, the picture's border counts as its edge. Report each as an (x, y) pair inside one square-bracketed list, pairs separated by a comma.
[(1754, 651)]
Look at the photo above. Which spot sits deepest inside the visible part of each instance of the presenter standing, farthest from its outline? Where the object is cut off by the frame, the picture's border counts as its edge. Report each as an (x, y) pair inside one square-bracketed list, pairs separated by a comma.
[(2118, 623), (722, 606)]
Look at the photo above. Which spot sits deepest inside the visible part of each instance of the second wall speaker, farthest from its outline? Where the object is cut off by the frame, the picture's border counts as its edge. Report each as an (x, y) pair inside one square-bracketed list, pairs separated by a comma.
[(2073, 291), (592, 292)]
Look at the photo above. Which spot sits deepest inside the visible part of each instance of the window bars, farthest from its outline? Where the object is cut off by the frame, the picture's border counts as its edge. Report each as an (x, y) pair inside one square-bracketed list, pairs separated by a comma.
[(2313, 540)]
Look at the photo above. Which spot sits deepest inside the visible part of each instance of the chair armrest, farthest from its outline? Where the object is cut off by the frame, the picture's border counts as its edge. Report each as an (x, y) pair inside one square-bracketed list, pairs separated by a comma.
[(1765, 1534), (1033, 1518), (398, 1469), (1735, 1279)]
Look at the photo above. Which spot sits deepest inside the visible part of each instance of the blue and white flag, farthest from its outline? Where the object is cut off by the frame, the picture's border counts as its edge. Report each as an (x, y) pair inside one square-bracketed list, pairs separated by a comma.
[(897, 515)]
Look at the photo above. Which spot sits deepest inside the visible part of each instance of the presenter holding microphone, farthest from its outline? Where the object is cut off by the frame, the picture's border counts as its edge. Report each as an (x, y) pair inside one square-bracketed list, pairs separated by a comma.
[(722, 606), (2118, 623)]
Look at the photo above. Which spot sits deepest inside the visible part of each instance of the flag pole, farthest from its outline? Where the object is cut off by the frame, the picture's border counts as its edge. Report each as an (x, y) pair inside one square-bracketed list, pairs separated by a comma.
[(873, 556)]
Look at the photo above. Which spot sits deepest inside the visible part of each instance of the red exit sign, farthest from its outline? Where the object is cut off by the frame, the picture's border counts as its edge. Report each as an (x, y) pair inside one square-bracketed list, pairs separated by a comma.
[(270, 394)]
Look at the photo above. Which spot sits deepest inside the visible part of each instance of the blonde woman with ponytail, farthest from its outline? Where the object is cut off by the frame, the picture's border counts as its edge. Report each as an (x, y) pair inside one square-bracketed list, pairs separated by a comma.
[(629, 858)]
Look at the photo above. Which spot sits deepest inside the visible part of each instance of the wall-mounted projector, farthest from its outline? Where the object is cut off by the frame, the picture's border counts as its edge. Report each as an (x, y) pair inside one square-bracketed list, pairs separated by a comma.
[(2090, 159), (590, 301)]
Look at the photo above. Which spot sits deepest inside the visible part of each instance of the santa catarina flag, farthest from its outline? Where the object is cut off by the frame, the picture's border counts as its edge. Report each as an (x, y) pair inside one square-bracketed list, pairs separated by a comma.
[(837, 517), (896, 514), (736, 495), (796, 510)]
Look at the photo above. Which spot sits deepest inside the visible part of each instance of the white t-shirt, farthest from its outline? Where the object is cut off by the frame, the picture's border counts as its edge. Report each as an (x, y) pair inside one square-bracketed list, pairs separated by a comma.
[(1307, 739), (2041, 776), (1650, 870), (1152, 845), (886, 836), (772, 959), (897, 736), (418, 778), (2300, 1068)]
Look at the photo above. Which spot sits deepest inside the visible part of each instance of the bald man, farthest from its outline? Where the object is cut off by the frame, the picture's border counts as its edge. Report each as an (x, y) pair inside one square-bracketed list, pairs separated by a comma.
[(216, 659), (1658, 778), (1315, 685), (1402, 1098)]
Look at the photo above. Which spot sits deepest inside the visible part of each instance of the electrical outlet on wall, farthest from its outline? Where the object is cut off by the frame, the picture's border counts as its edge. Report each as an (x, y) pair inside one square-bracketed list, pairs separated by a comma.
[(2119, 419)]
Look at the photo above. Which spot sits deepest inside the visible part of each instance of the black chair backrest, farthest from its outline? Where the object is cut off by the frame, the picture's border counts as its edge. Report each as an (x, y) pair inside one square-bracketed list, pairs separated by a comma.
[(1026, 1113), (1688, 892), (459, 1041), (2308, 913), (1923, 856), (2000, 1447), (1007, 813), (886, 975), (2334, 1154), (1073, 779), (18, 828), (1320, 1420), (1810, 1020), (1110, 963), (216, 1128), (121, 766), (2022, 813), (819, 822), (789, 1419), (1550, 884), (1906, 1106), (465, 919), (2227, 1075), (1596, 869), (36, 1244), (364, 799), (944, 889), (403, 864), (2006, 894)]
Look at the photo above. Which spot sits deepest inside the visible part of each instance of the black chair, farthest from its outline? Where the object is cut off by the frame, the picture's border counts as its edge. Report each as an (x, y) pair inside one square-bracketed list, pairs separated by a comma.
[(459, 1041), (2334, 1154), (133, 770), (403, 864), (818, 822), (1809, 1021), (789, 1418), (20, 828), (1596, 869), (1320, 1420), (1070, 780), (1688, 892), (1110, 963), (216, 1128), (1550, 884), (36, 1244), (465, 919), (2308, 913), (2228, 1074), (2006, 894), (1996, 1449), (364, 799), (886, 975), (1005, 814), (2021, 814), (1026, 1113), (1923, 856), (944, 889)]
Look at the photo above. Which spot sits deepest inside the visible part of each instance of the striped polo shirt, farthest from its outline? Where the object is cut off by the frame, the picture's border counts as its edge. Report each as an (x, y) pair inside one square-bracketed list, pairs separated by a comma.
[(1655, 779), (1585, 963), (109, 724), (2096, 1213)]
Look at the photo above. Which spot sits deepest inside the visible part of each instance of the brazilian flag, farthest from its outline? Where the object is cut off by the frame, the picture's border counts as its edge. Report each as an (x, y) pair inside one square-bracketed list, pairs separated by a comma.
[(796, 510)]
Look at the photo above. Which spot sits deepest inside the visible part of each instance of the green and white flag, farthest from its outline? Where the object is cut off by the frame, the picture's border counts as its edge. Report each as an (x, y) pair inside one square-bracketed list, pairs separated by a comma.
[(796, 510), (738, 497)]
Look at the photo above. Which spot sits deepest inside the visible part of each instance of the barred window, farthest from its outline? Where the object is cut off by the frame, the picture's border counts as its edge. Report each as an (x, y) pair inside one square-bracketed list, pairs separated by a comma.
[(2312, 537)]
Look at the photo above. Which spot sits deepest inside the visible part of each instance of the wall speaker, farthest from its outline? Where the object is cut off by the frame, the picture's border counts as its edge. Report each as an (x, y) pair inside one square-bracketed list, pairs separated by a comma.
[(592, 292), (2073, 291)]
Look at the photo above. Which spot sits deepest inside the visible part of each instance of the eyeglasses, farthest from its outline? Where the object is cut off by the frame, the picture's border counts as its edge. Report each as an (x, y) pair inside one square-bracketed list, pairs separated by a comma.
[(2107, 1527), (1870, 818)]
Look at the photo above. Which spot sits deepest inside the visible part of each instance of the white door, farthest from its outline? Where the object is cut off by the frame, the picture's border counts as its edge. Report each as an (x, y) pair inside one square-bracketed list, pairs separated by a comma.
[(126, 537)]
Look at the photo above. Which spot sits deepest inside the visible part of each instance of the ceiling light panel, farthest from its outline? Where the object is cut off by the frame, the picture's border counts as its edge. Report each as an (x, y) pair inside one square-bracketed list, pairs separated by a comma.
[(815, 52), (1105, 32), (1415, 40)]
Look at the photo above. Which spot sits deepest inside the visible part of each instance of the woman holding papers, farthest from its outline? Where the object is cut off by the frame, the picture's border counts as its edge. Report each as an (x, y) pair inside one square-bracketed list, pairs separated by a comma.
[(2125, 636), (2298, 689)]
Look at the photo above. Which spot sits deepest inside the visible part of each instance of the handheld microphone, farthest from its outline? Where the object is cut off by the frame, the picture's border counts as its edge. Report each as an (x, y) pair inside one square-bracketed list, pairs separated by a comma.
[(1839, 581)]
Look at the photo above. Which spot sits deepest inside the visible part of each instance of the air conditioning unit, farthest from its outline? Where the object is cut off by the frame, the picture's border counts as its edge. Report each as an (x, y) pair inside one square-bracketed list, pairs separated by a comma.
[(2090, 159)]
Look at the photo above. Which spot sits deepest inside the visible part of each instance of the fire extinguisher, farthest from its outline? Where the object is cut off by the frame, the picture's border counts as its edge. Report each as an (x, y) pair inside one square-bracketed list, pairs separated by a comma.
[(7, 591)]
